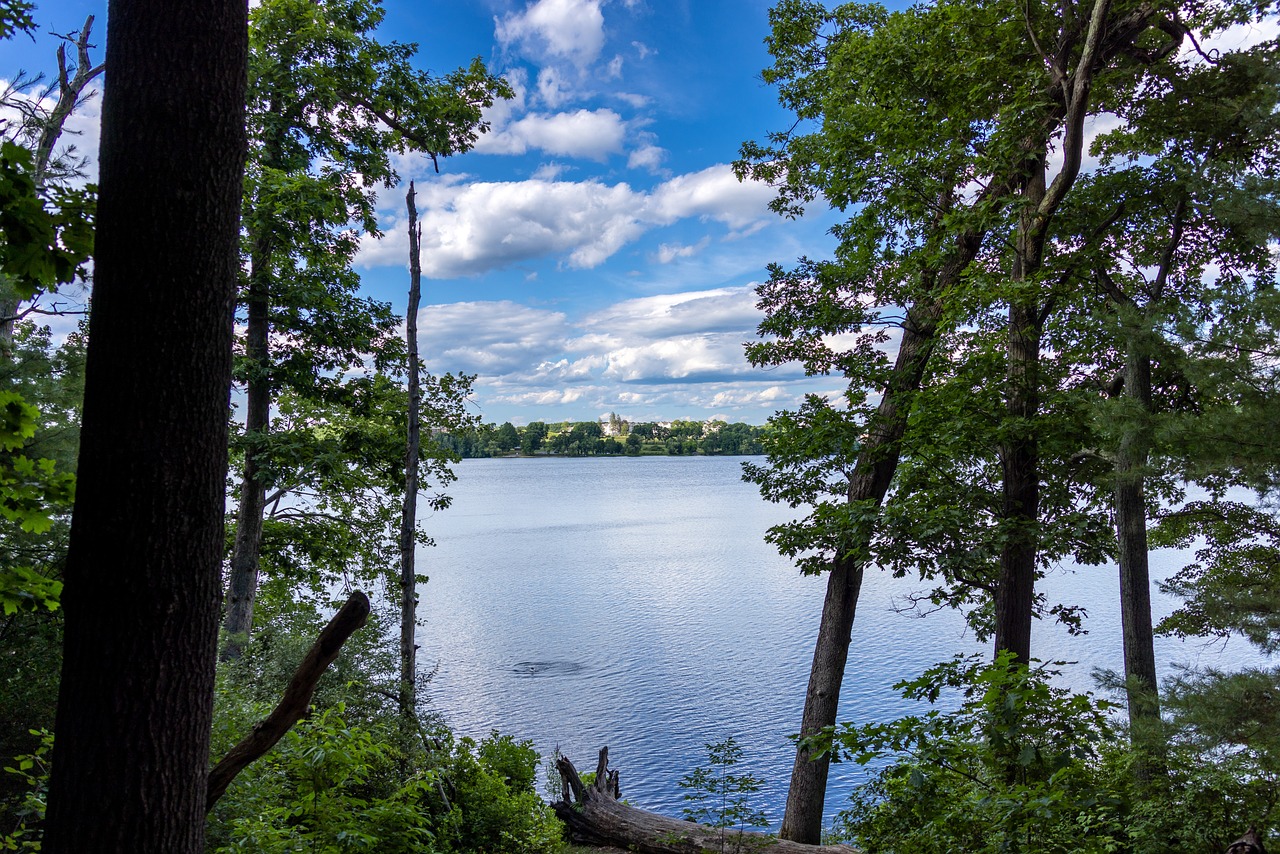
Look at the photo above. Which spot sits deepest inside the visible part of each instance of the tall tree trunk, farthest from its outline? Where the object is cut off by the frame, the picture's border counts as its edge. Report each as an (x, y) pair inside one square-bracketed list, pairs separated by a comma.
[(246, 552), (1020, 458), (873, 473), (877, 462), (142, 574), (408, 518), (242, 583), (1015, 591), (806, 796), (1141, 684), (1131, 536)]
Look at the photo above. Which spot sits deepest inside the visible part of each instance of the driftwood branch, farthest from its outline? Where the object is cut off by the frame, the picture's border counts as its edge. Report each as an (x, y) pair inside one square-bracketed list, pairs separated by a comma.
[(293, 705), (597, 816)]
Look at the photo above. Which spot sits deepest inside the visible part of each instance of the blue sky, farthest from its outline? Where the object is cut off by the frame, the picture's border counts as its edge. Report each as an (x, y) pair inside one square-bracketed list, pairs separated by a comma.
[(594, 253)]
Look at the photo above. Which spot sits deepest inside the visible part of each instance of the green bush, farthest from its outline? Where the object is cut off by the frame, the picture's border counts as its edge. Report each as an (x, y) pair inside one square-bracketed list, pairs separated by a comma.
[(331, 786), (494, 806), (1021, 765)]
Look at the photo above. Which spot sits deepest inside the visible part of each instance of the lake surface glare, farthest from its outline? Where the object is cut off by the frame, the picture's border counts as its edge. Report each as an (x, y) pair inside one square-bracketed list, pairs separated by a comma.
[(633, 602)]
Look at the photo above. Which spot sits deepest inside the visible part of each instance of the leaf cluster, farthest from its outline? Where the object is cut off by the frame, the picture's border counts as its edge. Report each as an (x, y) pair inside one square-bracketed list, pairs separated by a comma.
[(46, 236)]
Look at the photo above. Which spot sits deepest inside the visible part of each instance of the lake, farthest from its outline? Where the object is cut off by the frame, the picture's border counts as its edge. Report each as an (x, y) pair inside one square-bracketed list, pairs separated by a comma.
[(632, 602)]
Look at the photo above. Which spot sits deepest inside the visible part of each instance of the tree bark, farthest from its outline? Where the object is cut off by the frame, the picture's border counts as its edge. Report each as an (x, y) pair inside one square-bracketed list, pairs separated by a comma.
[(1141, 681), (1020, 455), (408, 518), (246, 553), (595, 815), (873, 473), (297, 696), (1015, 591), (806, 796), (874, 470), (143, 569), (1131, 536)]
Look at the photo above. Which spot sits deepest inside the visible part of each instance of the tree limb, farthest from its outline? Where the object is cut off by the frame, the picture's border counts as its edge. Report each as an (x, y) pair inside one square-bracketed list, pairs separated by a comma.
[(297, 696)]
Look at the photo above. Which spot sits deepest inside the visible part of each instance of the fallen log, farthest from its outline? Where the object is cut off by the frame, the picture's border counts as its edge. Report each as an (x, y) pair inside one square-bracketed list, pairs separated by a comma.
[(596, 815)]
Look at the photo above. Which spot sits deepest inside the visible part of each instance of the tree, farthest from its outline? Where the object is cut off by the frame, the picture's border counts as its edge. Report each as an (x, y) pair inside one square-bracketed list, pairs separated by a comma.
[(507, 438), (143, 571), (329, 106), (33, 549), (409, 516), (46, 232), (937, 140), (532, 437), (1191, 331)]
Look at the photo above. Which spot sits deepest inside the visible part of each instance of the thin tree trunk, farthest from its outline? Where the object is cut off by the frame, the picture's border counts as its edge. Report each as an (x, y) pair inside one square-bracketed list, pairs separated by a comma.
[(246, 552), (1131, 536), (408, 519), (242, 583), (873, 473), (142, 575), (1020, 458), (877, 462), (1015, 592), (1141, 683), (806, 796)]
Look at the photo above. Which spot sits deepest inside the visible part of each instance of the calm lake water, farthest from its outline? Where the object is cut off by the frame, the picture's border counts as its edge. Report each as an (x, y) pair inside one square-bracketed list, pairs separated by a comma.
[(634, 603)]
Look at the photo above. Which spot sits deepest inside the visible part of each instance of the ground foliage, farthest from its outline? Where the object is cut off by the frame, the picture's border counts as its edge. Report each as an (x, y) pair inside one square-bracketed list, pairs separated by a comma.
[(944, 781)]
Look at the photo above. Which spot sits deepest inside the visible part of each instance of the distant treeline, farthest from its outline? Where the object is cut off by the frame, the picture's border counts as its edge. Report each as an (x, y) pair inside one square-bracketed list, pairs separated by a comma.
[(587, 438)]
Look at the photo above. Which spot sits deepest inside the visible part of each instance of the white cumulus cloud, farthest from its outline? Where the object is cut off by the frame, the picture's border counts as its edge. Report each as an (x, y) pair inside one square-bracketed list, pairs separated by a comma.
[(572, 30), (472, 227), (592, 134)]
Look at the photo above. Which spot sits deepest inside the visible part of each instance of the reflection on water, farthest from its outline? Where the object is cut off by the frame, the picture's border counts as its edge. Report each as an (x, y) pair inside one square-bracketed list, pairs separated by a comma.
[(634, 603)]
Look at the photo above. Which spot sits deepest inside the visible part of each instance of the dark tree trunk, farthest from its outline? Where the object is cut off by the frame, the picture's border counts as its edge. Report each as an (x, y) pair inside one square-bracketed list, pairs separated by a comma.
[(1020, 457), (142, 575), (408, 518), (1131, 524), (1015, 592), (246, 552), (242, 583), (806, 796), (875, 468), (873, 473), (1131, 536)]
